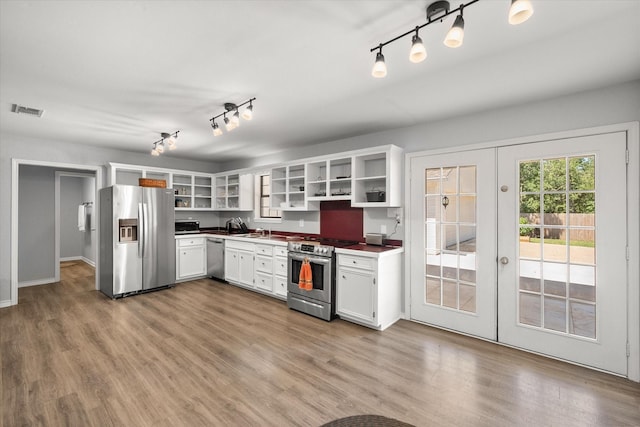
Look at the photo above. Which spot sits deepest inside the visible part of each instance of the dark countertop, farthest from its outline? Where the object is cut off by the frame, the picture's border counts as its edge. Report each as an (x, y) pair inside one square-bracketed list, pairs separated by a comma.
[(286, 237), (363, 247)]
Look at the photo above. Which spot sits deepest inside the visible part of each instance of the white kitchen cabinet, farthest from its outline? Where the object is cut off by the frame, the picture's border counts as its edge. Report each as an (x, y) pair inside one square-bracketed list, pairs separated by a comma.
[(368, 288), (329, 179), (238, 263), (191, 258), (234, 192), (378, 178), (193, 190), (288, 188)]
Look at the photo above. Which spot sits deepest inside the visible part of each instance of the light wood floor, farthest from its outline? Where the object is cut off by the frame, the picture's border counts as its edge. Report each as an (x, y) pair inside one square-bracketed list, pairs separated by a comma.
[(208, 354)]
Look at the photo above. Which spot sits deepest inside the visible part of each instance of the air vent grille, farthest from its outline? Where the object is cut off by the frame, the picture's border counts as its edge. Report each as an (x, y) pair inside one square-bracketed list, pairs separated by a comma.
[(21, 109)]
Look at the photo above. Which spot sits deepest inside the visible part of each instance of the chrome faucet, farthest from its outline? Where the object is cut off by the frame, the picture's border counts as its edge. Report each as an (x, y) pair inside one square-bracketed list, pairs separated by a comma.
[(261, 231)]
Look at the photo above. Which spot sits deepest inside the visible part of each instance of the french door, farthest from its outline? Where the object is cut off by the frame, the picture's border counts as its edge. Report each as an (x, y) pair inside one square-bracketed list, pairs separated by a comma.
[(453, 249), (526, 245), (562, 288)]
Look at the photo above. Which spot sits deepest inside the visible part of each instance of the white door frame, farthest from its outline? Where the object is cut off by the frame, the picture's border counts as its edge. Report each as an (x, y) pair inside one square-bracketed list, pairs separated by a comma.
[(15, 167), (633, 214)]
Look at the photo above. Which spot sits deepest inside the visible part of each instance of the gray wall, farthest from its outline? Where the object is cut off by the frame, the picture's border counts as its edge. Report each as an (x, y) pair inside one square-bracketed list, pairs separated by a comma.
[(604, 106), (18, 147), (614, 104), (71, 195), (36, 224)]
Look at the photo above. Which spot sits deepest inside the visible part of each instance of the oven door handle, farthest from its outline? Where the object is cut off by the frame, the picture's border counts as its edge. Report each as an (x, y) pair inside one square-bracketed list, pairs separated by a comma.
[(315, 260)]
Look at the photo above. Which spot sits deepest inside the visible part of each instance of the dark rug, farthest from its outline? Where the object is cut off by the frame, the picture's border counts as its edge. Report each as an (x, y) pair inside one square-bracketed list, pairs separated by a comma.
[(366, 420)]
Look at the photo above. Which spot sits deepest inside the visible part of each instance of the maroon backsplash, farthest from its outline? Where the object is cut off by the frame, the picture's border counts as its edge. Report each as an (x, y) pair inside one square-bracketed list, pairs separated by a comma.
[(338, 220)]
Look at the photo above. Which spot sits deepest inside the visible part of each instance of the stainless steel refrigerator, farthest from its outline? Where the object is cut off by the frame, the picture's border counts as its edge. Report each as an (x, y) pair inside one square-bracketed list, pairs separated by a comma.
[(137, 239)]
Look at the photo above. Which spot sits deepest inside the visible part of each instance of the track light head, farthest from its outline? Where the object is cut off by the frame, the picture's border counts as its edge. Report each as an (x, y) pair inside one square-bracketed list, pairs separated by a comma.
[(227, 123), (247, 114), (379, 68), (520, 11), (455, 35), (160, 147), (216, 129), (418, 53), (154, 151), (235, 119)]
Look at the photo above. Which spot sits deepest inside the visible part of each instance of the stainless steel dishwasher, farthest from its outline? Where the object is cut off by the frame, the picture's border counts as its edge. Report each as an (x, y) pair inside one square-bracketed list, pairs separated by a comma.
[(215, 257)]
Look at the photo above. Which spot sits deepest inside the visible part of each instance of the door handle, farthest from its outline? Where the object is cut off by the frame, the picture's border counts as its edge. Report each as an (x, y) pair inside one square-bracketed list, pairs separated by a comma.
[(504, 260)]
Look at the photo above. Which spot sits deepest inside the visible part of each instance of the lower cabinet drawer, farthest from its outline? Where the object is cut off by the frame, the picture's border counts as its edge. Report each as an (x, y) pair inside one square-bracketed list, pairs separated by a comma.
[(356, 262), (189, 242), (280, 251), (280, 266), (264, 264), (280, 286), (264, 282)]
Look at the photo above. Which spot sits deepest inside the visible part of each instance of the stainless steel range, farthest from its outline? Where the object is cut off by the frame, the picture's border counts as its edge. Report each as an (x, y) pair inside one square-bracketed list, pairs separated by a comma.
[(321, 300)]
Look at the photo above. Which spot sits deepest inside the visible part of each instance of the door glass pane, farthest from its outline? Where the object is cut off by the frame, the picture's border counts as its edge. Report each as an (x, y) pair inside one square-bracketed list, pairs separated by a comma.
[(450, 237), (555, 174), (582, 173), (557, 245), (530, 309), (468, 209)]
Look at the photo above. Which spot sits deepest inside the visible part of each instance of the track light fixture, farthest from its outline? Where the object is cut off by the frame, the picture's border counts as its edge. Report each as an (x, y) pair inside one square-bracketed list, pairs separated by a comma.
[(233, 122), (167, 138), (519, 12)]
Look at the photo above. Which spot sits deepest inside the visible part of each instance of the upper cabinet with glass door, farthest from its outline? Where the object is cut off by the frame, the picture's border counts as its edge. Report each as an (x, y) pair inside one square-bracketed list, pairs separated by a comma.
[(377, 178), (234, 192)]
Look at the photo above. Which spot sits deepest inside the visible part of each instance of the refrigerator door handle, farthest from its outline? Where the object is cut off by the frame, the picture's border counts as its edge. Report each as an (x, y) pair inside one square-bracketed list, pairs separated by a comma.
[(141, 232), (145, 229)]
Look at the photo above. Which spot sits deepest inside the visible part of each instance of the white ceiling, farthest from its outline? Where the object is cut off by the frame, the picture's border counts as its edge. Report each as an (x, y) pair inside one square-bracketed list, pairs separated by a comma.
[(117, 73)]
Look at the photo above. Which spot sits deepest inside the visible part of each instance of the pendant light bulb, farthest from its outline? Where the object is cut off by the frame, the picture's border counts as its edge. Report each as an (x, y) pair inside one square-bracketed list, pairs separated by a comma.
[(154, 151), (520, 11), (456, 33), (160, 147), (247, 114), (171, 142), (417, 53), (379, 68)]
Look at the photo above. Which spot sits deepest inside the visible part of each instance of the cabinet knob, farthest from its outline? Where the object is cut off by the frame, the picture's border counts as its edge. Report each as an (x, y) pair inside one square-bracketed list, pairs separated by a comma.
[(354, 261), (343, 276)]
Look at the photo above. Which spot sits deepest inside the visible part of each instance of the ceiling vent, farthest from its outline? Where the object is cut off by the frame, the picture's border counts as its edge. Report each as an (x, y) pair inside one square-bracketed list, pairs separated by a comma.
[(21, 109)]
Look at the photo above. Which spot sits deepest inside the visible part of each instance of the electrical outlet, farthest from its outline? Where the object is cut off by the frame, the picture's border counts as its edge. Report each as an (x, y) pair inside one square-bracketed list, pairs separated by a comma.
[(398, 220)]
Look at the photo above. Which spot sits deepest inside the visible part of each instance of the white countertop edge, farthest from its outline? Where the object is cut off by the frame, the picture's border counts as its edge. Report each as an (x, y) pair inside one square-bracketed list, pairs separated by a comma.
[(365, 253)]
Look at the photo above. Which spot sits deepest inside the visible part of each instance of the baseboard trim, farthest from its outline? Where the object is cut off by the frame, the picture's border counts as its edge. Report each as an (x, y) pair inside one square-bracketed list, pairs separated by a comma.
[(36, 282), (5, 303), (88, 261)]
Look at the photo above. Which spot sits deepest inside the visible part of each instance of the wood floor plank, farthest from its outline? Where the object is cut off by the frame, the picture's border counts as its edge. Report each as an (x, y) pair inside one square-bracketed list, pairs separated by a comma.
[(206, 353)]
